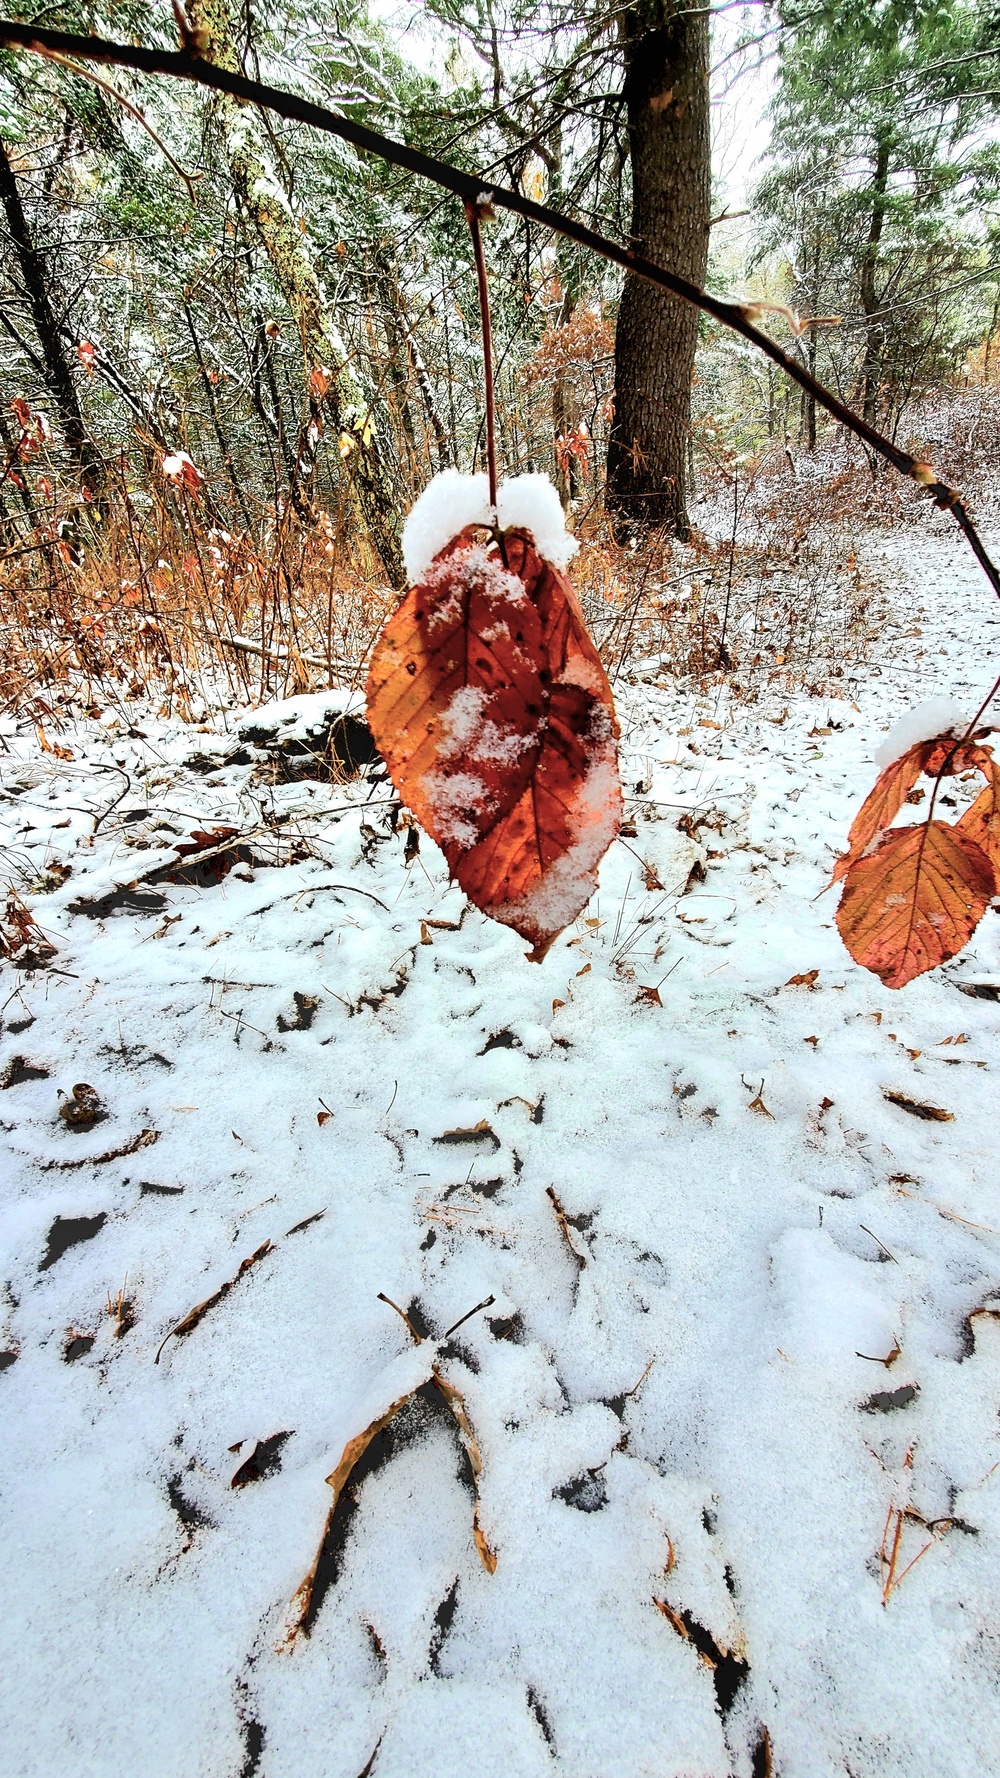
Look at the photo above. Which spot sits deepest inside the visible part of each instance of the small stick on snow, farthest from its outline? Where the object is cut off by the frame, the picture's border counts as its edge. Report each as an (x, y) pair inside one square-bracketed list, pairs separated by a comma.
[(563, 1222), (878, 1243), (382, 1298), (486, 1303)]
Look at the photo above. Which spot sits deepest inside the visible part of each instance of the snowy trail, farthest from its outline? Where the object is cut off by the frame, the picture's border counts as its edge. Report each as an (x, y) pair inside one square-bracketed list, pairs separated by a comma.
[(688, 1575)]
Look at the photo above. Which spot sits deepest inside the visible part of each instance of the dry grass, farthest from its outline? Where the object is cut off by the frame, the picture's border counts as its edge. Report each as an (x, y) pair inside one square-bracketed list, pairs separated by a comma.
[(146, 598)]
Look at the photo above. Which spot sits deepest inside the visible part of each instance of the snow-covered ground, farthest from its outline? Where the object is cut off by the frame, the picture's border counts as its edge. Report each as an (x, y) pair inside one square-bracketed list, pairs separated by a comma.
[(705, 1228)]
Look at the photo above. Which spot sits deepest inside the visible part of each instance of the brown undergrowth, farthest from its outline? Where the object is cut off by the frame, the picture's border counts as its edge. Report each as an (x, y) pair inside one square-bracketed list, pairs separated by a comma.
[(160, 595)]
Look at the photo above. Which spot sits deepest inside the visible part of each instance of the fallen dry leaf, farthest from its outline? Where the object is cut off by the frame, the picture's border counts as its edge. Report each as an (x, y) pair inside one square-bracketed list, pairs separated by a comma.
[(338, 1478), (83, 1108), (917, 1109), (482, 1128), (201, 839), (563, 1222), (200, 1310), (456, 1403), (415, 1368)]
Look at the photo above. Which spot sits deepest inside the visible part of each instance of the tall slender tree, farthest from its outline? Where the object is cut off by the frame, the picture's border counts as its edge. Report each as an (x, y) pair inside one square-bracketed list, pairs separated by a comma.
[(665, 48), (881, 172), (54, 358), (331, 379)]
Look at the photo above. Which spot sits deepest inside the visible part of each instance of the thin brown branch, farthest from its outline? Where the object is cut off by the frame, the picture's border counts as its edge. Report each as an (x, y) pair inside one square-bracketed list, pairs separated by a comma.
[(135, 111)]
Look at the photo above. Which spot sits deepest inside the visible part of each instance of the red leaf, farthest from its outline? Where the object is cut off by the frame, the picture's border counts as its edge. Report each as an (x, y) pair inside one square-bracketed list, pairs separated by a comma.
[(85, 353), (455, 696), (882, 804), (982, 821), (537, 868), (179, 469), (914, 895), (491, 708), (915, 901), (201, 840)]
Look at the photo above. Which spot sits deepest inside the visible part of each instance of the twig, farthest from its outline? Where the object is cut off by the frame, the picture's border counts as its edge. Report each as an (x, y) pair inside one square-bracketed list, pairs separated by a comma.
[(951, 1215), (189, 179), (563, 1222), (878, 1243), (417, 1338), (486, 1303)]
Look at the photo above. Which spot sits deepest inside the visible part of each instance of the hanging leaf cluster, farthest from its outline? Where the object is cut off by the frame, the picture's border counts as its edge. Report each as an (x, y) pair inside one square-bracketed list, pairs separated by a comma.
[(913, 896), (489, 704)]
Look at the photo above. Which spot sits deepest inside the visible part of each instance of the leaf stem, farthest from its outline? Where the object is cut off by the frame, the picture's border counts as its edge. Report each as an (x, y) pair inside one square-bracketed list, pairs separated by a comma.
[(474, 214)]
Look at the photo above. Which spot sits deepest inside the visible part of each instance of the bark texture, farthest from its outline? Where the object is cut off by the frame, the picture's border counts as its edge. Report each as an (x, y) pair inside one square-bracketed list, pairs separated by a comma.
[(352, 414), (665, 44)]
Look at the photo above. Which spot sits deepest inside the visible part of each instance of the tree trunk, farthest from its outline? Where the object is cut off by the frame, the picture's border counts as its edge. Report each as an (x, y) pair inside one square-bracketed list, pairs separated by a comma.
[(58, 376), (434, 420), (666, 92), (811, 347), (326, 358), (871, 373)]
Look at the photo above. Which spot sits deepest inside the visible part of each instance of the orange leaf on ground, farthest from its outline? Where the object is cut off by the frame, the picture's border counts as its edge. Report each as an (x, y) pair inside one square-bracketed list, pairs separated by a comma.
[(915, 901)]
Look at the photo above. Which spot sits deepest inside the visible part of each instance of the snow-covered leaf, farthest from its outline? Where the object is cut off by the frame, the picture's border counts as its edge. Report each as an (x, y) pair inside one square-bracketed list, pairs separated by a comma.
[(491, 708)]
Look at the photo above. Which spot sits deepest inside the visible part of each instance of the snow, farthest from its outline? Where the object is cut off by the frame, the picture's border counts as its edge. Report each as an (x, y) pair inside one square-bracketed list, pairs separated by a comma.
[(459, 801), (301, 717), (451, 501), (734, 1178), (936, 716), (531, 503)]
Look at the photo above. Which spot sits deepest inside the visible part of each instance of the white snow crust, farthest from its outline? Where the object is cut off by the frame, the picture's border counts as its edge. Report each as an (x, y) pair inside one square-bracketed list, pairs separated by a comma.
[(448, 503), (531, 501), (451, 501), (734, 1175), (936, 716), (298, 717)]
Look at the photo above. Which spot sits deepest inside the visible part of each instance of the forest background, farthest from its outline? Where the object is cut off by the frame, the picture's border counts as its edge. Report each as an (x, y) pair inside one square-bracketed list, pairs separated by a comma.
[(232, 352)]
